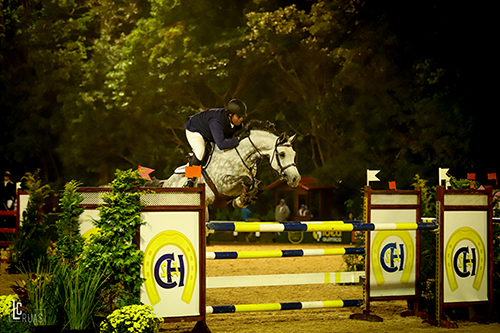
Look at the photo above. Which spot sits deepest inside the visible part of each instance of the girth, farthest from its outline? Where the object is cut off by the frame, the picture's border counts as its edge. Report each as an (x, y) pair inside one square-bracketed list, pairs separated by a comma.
[(221, 200)]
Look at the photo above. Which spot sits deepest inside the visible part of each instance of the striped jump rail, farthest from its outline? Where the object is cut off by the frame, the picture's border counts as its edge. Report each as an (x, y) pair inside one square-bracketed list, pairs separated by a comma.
[(316, 226), (284, 253), (284, 306)]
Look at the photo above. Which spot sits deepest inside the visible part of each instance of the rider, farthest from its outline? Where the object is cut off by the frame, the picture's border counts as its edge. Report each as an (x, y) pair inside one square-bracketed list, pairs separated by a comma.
[(214, 125)]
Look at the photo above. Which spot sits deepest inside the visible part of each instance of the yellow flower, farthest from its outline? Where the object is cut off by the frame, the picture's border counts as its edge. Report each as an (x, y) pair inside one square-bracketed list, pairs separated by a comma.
[(6, 304), (132, 318)]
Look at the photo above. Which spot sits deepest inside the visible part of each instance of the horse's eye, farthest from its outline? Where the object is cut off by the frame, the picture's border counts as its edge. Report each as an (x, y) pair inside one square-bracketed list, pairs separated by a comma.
[(282, 155)]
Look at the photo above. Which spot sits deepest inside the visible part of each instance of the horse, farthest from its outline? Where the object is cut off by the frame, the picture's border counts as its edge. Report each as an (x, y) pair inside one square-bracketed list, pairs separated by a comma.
[(233, 171)]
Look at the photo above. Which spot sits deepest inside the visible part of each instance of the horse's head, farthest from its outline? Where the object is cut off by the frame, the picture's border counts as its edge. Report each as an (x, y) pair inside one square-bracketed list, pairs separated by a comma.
[(283, 159)]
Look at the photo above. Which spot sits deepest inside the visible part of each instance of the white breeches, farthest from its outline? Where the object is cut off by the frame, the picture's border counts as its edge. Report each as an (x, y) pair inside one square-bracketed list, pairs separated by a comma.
[(197, 143)]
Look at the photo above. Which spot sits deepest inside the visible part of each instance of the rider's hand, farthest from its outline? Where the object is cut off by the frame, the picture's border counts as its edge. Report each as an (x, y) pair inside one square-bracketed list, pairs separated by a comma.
[(243, 134)]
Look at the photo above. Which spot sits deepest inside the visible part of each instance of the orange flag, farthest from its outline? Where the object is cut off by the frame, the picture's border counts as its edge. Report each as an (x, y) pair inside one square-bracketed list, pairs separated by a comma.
[(193, 171), (493, 176), (392, 185), (472, 176), (144, 172)]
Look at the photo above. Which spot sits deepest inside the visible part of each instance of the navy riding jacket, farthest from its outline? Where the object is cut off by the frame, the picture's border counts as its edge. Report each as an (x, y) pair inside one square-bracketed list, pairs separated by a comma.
[(214, 125)]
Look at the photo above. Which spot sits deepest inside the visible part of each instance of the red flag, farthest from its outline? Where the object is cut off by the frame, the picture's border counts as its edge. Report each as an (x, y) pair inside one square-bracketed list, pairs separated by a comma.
[(193, 171), (493, 176), (392, 185), (144, 172), (472, 177)]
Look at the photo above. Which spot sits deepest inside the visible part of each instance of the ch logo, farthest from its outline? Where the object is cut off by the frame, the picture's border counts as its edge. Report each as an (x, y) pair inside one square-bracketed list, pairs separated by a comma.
[(392, 257), (465, 261), (167, 267), (170, 270)]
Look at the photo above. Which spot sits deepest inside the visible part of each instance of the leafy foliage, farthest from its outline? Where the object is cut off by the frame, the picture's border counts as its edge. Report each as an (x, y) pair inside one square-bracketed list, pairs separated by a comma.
[(79, 289), (113, 246), (70, 242), (351, 77), (31, 242), (428, 196), (41, 284)]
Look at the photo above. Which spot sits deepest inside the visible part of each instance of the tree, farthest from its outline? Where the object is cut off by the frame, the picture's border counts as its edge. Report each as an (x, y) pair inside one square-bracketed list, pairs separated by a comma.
[(108, 84), (41, 53)]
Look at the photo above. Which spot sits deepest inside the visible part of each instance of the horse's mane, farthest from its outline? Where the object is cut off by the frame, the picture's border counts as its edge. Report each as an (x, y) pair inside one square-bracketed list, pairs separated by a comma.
[(256, 124), (260, 125)]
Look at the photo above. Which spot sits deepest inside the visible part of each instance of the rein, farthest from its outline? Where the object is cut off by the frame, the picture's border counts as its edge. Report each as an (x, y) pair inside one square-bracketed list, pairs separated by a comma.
[(275, 153), (246, 166)]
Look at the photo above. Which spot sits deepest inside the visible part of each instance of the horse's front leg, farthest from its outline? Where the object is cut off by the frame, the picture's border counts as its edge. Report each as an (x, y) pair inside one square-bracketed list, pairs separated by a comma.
[(248, 194), (236, 186)]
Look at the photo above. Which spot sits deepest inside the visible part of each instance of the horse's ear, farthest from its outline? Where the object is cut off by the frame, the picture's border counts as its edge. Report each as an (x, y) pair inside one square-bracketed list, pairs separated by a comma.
[(291, 139), (282, 138)]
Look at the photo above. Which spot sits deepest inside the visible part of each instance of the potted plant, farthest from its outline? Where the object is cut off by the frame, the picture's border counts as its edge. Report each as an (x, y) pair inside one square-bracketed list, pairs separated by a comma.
[(133, 319)]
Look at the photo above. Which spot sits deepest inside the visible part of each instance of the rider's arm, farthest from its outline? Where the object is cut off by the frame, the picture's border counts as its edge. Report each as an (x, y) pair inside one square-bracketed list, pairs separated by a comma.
[(218, 134)]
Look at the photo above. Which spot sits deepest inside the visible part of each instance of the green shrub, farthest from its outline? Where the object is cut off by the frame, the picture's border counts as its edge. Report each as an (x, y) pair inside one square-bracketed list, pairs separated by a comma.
[(70, 242), (31, 243), (119, 220)]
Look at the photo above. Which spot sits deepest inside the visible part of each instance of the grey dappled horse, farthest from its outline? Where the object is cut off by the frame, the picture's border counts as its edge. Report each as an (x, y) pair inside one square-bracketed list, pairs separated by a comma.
[(233, 171)]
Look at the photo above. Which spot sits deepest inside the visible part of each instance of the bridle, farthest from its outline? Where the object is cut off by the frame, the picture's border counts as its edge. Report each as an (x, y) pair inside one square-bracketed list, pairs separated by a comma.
[(275, 153)]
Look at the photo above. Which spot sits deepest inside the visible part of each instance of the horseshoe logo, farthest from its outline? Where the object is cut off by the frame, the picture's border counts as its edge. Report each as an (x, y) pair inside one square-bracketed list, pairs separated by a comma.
[(159, 241), (465, 233), (407, 264)]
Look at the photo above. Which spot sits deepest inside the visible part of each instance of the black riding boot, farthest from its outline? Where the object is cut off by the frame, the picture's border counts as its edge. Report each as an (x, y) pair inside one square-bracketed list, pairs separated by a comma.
[(192, 161)]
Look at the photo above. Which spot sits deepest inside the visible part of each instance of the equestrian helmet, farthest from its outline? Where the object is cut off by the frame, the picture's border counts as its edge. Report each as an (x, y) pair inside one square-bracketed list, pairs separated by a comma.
[(238, 107)]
